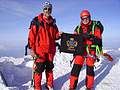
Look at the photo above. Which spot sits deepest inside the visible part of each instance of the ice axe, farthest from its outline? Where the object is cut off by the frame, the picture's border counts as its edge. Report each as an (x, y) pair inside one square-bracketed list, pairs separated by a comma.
[(71, 61), (106, 55)]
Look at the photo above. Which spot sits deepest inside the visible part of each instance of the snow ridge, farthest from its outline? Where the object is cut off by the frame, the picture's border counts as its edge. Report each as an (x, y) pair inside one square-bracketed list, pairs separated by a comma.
[(17, 72)]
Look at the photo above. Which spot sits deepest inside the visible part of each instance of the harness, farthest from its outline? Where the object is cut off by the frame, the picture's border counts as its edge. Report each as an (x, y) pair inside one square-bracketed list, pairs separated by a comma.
[(97, 48)]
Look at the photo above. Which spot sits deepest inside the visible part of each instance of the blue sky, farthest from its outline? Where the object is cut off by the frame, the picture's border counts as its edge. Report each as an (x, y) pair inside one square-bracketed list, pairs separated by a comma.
[(15, 17)]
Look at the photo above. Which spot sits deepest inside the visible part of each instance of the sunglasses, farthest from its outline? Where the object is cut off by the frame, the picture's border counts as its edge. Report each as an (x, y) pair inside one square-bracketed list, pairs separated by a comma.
[(85, 18), (49, 9)]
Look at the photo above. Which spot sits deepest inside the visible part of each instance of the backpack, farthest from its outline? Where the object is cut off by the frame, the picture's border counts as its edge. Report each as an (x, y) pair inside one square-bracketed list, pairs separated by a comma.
[(37, 23)]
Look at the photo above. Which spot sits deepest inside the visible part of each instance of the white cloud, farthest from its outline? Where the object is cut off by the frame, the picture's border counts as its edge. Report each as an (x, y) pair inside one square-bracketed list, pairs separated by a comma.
[(2, 48), (6, 46), (15, 7), (118, 49)]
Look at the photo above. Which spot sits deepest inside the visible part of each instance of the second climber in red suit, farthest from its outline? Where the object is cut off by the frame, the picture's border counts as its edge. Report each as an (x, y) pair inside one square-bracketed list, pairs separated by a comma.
[(92, 31)]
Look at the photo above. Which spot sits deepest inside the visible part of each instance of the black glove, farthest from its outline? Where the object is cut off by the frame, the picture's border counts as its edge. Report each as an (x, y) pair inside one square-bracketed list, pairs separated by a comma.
[(86, 36), (96, 41), (58, 45), (98, 59)]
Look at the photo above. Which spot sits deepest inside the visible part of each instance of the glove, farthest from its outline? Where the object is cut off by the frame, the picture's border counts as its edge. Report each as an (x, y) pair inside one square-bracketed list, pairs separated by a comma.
[(86, 36), (98, 59), (32, 53), (96, 41)]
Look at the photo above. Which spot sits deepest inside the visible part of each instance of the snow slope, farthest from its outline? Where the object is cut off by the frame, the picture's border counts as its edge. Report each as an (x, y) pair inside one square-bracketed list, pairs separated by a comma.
[(17, 72)]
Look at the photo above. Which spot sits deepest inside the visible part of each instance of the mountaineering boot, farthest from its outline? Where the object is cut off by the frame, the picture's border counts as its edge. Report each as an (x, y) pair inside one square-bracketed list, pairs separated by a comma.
[(88, 89), (71, 89), (48, 87)]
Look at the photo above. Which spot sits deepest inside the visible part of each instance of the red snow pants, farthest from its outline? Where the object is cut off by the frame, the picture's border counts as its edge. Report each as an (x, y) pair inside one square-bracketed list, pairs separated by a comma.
[(45, 62), (78, 63)]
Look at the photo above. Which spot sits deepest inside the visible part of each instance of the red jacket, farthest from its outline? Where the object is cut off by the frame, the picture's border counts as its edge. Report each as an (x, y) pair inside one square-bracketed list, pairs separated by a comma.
[(44, 40)]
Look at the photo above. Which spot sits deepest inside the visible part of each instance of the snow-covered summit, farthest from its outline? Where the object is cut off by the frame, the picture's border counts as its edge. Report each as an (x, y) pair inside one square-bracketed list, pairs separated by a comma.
[(18, 72)]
